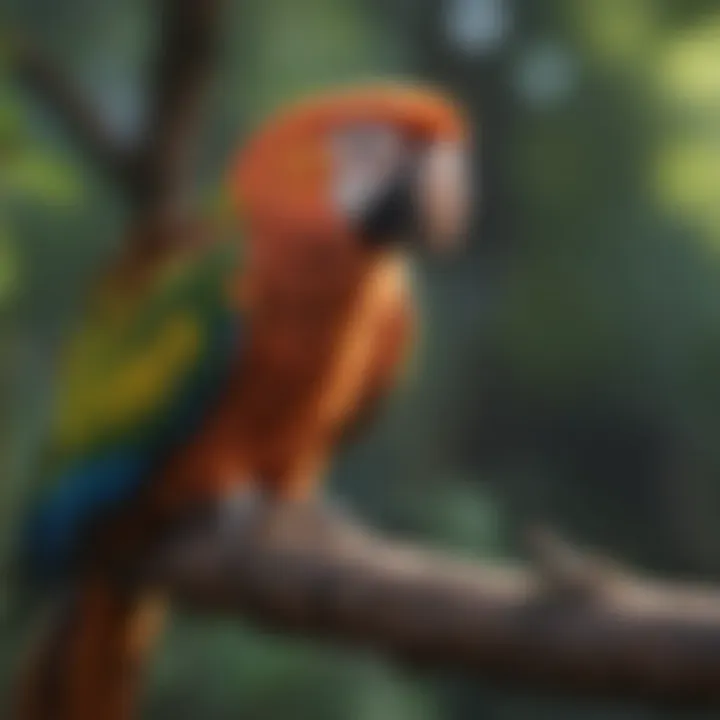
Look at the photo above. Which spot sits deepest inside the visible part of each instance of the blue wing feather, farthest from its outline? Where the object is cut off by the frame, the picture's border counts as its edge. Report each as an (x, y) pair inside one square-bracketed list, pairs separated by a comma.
[(57, 526)]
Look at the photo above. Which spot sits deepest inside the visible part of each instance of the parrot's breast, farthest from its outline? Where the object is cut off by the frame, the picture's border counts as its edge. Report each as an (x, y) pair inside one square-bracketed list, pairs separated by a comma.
[(301, 378)]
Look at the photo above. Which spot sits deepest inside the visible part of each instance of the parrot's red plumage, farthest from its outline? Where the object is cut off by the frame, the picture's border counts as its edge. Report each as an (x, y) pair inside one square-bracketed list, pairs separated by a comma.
[(328, 319), (330, 316)]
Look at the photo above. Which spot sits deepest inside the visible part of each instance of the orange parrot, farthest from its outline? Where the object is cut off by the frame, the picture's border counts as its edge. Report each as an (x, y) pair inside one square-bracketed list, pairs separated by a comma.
[(259, 389)]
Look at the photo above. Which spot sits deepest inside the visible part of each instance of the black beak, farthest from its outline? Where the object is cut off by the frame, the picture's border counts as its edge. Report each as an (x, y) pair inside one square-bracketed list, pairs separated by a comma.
[(392, 217)]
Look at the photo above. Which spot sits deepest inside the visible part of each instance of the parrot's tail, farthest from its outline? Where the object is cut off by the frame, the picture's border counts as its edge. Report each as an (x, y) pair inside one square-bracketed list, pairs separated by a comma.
[(89, 662)]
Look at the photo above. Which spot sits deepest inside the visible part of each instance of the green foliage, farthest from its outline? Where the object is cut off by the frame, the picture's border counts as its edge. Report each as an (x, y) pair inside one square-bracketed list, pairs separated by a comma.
[(34, 177), (303, 46), (10, 273), (32, 174)]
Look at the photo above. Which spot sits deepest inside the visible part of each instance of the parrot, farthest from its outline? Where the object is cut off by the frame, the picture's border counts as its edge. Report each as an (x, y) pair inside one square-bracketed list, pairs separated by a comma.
[(244, 366)]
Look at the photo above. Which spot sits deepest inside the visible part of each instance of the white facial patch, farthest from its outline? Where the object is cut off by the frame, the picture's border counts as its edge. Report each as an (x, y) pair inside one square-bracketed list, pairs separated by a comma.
[(365, 159)]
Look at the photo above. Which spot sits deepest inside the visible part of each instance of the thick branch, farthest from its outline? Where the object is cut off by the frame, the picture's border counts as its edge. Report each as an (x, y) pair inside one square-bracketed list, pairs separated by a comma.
[(155, 170), (79, 116), (188, 40), (619, 636)]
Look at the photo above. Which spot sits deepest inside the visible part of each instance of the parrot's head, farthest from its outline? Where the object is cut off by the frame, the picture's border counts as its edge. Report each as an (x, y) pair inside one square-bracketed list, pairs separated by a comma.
[(378, 165)]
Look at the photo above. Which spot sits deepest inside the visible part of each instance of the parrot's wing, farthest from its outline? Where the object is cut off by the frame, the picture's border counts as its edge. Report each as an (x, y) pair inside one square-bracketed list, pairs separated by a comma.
[(138, 380)]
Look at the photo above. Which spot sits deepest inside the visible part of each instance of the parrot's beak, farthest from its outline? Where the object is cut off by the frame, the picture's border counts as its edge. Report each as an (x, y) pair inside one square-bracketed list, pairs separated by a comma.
[(424, 201), (443, 195)]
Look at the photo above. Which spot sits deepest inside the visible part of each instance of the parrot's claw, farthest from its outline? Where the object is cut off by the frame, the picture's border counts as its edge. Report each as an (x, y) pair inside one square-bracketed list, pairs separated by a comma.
[(329, 514), (244, 507), (329, 522)]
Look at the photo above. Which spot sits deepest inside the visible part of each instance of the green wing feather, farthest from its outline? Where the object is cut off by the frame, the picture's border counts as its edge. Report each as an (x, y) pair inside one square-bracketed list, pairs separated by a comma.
[(132, 355)]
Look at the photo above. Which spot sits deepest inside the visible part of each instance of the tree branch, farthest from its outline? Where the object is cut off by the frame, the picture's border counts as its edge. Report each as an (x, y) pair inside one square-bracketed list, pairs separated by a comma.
[(622, 636), (188, 31), (155, 171), (81, 119)]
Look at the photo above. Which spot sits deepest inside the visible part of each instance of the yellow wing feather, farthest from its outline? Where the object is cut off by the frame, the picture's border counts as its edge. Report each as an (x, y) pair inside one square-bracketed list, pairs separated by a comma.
[(109, 382)]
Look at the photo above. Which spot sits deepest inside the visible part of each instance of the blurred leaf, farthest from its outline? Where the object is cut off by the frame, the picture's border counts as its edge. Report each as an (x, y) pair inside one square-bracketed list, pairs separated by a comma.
[(688, 181), (33, 175), (686, 174), (313, 44), (9, 267), (688, 71), (6, 44), (620, 33), (470, 518), (382, 694), (13, 135)]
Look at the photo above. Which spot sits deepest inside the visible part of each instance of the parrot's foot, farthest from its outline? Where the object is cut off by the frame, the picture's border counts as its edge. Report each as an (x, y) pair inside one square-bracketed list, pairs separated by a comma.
[(253, 514), (247, 509), (328, 523), (329, 515)]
